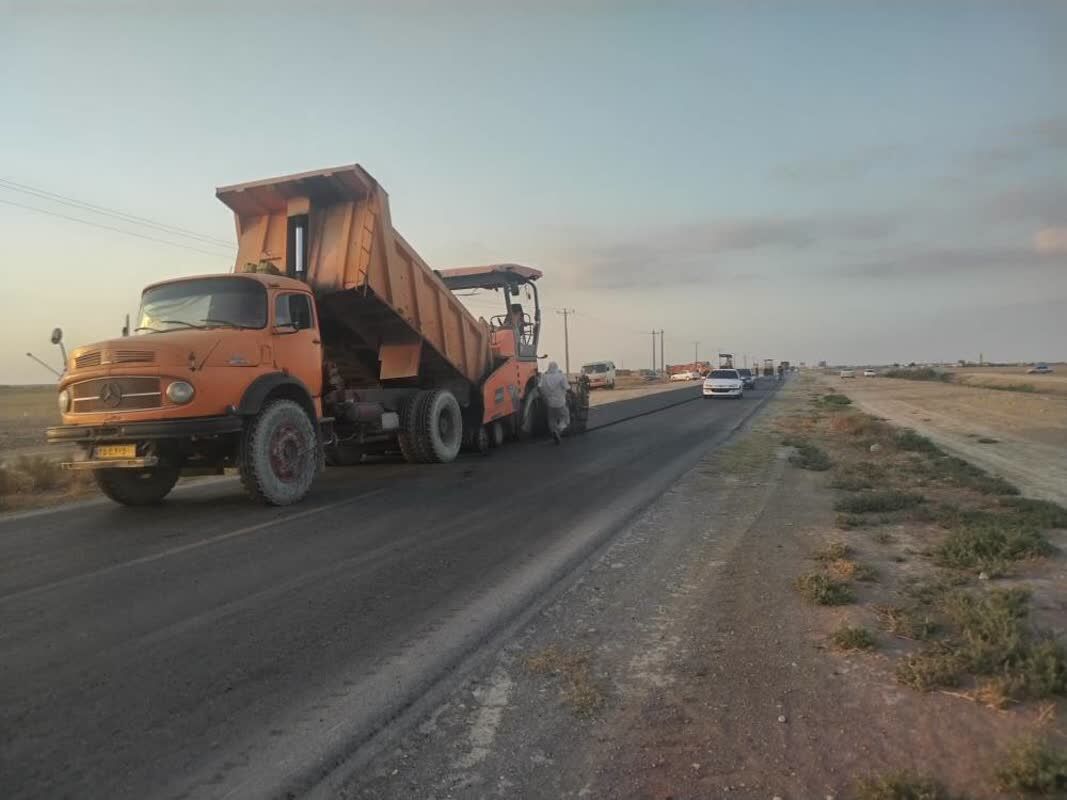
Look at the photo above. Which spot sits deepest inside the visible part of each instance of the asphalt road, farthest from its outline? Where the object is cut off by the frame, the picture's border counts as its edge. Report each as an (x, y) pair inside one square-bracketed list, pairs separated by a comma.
[(214, 648)]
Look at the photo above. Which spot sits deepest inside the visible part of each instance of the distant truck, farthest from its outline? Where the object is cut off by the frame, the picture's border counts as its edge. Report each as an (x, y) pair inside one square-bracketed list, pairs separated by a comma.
[(331, 339), (768, 367)]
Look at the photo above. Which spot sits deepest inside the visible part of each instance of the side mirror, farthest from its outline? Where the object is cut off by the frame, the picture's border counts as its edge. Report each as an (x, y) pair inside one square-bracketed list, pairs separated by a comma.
[(57, 335)]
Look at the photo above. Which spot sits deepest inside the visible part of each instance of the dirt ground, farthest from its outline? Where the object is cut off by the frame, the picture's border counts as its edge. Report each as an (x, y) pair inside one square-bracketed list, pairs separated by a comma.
[(1013, 377), (25, 411), (1030, 430), (686, 665), (626, 387)]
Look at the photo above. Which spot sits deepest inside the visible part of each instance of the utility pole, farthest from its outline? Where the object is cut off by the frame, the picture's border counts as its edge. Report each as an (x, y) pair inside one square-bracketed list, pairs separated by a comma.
[(653, 349), (662, 362), (696, 350), (566, 339)]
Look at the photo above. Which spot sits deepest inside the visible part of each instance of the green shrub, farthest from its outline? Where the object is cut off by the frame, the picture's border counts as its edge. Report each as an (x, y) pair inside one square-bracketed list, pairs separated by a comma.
[(810, 456), (1039, 513), (835, 400), (1034, 767), (919, 374), (851, 483), (901, 786), (878, 502), (908, 439), (990, 544), (990, 637)]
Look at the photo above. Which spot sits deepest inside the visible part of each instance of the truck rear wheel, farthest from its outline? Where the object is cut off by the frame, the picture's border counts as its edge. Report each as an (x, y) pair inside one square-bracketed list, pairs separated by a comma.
[(137, 487), (438, 426), (279, 454)]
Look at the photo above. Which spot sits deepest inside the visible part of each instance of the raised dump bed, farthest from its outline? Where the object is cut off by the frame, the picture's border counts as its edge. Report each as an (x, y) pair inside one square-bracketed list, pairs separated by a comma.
[(387, 317)]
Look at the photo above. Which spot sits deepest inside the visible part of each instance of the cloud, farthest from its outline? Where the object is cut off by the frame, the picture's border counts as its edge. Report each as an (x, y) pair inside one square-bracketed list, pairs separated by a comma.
[(934, 261), (701, 252), (843, 170), (1051, 241), (1043, 204)]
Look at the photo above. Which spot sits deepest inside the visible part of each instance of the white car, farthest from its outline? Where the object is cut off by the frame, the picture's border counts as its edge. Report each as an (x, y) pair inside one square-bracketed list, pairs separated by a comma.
[(724, 383), (1039, 369), (869, 373), (684, 375), (601, 374), (848, 373)]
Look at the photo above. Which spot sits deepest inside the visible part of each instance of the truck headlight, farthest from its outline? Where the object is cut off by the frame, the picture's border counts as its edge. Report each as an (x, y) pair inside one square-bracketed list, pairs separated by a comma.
[(180, 392), (64, 401)]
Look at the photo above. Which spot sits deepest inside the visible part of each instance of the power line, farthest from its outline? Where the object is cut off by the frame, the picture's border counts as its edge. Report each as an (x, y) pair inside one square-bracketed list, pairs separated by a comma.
[(110, 228), (115, 213)]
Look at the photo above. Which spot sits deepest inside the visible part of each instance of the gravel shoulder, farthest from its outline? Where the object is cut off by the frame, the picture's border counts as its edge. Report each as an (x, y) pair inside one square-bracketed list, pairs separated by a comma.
[(683, 665)]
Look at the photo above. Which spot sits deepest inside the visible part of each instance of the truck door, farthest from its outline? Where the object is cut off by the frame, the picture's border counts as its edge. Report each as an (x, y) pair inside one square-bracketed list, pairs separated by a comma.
[(296, 341)]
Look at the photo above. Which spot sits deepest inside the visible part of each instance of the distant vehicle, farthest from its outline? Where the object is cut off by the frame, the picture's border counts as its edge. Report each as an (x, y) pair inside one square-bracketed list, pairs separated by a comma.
[(724, 383), (601, 374), (647, 374), (747, 378), (1040, 369), (869, 373), (685, 375), (848, 373)]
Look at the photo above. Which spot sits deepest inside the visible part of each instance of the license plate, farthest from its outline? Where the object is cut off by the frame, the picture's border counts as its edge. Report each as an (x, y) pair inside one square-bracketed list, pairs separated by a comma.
[(116, 451)]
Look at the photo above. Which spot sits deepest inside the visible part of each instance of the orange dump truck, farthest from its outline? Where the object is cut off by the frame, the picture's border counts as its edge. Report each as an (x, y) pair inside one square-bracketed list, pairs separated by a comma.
[(332, 339)]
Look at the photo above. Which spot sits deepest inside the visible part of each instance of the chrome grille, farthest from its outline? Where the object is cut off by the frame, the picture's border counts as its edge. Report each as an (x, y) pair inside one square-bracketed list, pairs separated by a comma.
[(90, 359), (132, 356), (116, 394)]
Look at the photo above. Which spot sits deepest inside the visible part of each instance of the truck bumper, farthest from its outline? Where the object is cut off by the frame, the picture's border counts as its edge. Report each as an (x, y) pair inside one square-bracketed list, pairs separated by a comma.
[(145, 431)]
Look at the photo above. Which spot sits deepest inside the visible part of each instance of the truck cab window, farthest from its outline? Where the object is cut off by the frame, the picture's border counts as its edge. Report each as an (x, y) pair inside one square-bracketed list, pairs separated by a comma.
[(292, 310)]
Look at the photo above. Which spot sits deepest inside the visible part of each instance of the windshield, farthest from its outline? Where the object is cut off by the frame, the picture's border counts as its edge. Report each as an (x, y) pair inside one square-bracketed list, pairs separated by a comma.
[(724, 373), (203, 303), (588, 369), (745, 373)]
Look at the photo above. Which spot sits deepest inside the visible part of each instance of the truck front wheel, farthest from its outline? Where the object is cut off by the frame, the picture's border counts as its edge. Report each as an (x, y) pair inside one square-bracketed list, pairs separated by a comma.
[(279, 454), (137, 487)]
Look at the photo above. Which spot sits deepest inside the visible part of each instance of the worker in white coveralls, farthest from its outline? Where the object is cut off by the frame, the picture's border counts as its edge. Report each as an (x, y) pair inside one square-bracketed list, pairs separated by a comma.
[(554, 387)]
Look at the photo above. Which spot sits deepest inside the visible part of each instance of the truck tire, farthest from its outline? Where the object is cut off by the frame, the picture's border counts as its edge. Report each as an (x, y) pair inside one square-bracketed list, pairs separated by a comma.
[(438, 427), (406, 437), (137, 487), (533, 417), (279, 454)]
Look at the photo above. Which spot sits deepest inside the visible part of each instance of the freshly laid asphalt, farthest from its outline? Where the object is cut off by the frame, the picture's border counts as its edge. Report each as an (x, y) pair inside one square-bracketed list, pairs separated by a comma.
[(211, 648)]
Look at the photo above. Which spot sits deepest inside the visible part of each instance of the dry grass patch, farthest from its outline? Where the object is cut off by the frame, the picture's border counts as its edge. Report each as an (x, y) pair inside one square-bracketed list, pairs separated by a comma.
[(853, 638), (578, 688), (823, 590), (906, 622)]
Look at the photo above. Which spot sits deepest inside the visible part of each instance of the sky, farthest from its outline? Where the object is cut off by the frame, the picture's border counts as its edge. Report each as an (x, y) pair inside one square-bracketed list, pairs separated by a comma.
[(844, 181)]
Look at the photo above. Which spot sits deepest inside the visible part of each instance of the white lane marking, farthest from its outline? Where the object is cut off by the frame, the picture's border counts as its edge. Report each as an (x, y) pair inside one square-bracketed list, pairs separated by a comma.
[(186, 547)]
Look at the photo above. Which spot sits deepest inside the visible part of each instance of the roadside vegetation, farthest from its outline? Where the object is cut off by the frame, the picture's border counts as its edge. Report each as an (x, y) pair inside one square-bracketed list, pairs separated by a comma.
[(919, 374), (578, 689), (28, 481), (937, 554)]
